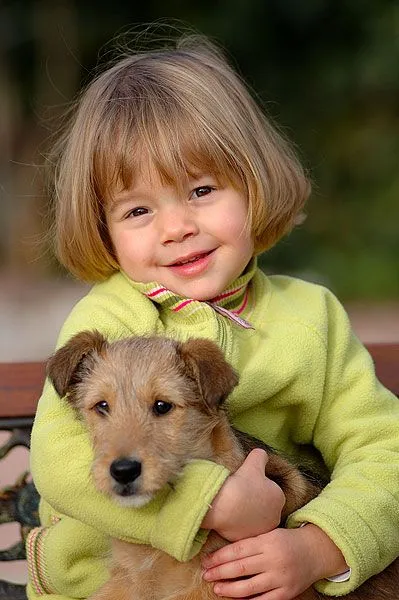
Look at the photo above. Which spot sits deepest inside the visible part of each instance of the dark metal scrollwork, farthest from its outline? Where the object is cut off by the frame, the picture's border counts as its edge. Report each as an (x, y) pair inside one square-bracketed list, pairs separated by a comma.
[(18, 503)]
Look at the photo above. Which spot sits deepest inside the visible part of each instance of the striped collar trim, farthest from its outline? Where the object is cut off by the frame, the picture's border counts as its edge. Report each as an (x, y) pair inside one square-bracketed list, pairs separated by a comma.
[(231, 303)]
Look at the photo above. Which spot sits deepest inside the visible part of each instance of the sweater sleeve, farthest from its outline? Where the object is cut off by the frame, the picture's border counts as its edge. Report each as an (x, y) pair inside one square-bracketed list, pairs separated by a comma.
[(357, 434), (61, 457)]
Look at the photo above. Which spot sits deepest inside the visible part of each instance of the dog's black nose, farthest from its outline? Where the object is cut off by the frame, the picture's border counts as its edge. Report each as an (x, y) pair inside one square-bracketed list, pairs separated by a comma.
[(124, 470)]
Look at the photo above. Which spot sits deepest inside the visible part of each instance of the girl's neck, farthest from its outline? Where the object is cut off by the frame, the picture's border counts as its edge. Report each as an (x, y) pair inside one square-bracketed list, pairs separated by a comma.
[(231, 302)]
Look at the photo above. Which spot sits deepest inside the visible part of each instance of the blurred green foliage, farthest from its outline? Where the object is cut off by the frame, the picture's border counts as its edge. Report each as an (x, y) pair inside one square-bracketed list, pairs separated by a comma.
[(326, 72)]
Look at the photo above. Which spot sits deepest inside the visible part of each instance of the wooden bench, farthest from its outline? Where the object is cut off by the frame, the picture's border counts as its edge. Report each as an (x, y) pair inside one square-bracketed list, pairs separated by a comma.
[(20, 388)]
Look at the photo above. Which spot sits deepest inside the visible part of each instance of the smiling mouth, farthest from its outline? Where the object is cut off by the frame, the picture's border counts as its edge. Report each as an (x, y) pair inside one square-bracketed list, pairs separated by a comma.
[(192, 259)]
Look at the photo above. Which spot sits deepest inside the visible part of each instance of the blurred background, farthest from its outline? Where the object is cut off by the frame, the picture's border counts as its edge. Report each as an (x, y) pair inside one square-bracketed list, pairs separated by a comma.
[(326, 72)]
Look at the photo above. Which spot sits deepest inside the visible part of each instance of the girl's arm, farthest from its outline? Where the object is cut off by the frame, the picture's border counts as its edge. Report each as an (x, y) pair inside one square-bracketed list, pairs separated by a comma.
[(61, 453), (356, 432), (354, 520)]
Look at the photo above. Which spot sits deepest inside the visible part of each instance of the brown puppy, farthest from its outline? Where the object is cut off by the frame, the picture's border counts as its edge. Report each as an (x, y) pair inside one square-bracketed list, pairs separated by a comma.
[(152, 405)]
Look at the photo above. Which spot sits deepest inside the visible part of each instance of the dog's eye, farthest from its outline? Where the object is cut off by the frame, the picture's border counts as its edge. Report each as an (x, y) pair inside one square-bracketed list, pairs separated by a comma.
[(161, 408), (102, 408)]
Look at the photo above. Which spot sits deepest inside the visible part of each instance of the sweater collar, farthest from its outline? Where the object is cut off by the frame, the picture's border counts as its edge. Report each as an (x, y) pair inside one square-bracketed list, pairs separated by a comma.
[(231, 303)]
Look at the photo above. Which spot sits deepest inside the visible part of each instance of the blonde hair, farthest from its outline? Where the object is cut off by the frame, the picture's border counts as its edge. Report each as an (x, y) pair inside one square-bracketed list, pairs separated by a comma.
[(185, 110)]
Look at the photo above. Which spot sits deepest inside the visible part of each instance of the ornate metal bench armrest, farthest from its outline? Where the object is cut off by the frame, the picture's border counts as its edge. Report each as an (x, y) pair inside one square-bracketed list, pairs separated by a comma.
[(18, 503)]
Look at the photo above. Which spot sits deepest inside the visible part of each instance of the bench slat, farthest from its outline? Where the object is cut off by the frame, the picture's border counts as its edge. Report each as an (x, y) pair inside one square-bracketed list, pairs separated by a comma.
[(21, 383), (386, 359), (20, 388)]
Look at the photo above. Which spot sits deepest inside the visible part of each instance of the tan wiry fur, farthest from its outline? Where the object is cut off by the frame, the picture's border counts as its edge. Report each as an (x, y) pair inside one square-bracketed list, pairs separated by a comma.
[(131, 375)]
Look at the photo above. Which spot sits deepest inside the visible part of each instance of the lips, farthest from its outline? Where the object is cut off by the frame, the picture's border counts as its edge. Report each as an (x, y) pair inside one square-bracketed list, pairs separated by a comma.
[(189, 259), (192, 265)]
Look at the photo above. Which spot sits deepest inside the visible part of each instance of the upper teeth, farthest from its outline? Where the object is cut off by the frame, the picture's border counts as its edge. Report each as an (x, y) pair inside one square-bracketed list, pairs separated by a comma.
[(184, 262)]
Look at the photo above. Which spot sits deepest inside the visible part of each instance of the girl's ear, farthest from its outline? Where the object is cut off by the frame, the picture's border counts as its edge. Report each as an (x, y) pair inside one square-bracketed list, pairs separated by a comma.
[(67, 366), (205, 362)]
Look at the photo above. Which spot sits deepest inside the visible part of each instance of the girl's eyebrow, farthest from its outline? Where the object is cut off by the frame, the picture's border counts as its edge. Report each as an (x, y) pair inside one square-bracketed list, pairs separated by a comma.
[(137, 192), (122, 198), (198, 176)]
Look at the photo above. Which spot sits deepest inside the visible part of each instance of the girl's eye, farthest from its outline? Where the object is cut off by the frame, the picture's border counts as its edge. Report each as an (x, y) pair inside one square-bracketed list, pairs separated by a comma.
[(102, 408), (203, 190), (137, 212), (161, 408)]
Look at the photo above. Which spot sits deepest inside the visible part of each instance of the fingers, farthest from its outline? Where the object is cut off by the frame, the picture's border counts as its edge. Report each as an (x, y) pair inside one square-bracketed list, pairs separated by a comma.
[(237, 568), (232, 552), (244, 588)]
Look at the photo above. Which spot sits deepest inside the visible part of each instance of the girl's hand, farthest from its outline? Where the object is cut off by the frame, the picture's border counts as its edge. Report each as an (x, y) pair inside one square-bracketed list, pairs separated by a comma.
[(248, 503), (277, 565)]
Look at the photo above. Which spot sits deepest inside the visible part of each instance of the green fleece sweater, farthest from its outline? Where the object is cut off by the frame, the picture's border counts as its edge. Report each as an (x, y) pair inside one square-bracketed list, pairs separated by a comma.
[(307, 387)]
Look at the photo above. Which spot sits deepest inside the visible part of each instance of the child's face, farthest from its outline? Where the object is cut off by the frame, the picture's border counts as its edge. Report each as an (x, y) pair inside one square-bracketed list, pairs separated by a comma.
[(194, 243)]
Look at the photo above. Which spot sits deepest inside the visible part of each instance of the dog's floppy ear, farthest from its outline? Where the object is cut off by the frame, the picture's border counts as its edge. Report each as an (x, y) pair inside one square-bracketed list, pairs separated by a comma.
[(64, 366), (206, 363)]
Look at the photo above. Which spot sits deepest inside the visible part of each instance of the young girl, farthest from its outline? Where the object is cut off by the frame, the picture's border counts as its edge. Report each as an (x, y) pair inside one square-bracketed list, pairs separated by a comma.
[(170, 182)]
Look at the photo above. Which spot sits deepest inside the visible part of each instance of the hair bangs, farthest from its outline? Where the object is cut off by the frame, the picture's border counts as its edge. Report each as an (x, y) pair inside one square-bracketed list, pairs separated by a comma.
[(158, 134), (114, 155), (180, 148)]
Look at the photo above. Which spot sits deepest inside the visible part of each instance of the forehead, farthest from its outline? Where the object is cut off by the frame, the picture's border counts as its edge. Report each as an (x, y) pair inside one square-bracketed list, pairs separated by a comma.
[(141, 368), (150, 172), (158, 151), (146, 175)]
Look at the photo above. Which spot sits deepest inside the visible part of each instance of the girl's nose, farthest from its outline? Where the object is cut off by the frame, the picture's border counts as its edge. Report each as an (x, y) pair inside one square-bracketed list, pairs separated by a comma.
[(178, 224)]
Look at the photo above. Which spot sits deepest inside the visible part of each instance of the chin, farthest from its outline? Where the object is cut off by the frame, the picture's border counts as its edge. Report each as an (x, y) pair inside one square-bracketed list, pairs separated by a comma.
[(197, 292), (134, 501)]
